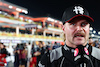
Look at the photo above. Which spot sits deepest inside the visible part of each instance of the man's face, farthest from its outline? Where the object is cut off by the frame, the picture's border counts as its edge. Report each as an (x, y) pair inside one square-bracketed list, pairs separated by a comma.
[(1, 46), (90, 41), (40, 44), (76, 32)]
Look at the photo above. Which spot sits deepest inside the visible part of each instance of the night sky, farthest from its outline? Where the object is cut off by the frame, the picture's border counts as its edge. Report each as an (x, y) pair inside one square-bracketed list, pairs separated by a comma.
[(55, 8)]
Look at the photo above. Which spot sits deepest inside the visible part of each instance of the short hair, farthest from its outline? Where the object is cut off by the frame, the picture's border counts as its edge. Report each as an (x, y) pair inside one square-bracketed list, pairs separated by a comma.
[(41, 42), (29, 43), (1, 43), (90, 37), (63, 36)]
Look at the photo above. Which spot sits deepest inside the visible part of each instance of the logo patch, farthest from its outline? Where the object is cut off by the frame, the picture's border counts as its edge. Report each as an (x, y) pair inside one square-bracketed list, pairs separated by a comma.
[(78, 10)]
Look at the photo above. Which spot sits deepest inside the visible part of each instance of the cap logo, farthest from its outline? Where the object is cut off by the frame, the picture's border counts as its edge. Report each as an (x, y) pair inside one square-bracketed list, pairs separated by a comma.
[(78, 10)]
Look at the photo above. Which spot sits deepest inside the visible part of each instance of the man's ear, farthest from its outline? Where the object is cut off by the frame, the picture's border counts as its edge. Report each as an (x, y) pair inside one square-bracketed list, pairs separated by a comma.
[(63, 28)]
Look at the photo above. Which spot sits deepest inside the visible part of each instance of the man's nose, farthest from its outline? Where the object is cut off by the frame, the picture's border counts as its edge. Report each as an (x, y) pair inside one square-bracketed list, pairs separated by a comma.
[(79, 28)]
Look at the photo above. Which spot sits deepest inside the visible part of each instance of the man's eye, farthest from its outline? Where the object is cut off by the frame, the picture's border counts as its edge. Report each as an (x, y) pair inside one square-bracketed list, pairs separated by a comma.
[(83, 24), (72, 24)]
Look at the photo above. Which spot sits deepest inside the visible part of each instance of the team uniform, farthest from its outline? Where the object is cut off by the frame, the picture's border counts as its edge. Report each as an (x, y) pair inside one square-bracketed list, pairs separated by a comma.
[(3, 53), (64, 57), (2, 61)]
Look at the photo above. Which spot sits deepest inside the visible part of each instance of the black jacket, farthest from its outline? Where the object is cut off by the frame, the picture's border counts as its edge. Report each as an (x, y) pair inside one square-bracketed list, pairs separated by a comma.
[(64, 57), (4, 51)]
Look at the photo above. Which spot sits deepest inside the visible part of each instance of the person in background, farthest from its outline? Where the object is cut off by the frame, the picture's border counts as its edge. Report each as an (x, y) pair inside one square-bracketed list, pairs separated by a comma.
[(48, 47), (3, 54), (91, 42), (55, 45), (96, 42), (16, 54), (34, 55), (29, 46), (40, 51), (22, 55), (10, 59)]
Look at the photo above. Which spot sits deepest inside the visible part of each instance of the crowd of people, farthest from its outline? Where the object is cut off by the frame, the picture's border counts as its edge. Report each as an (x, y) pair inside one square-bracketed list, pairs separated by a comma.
[(94, 43), (24, 54), (29, 55)]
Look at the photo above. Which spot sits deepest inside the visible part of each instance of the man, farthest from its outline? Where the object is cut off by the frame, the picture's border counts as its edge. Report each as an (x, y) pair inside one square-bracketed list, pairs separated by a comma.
[(96, 43), (3, 54), (34, 55), (91, 42), (10, 59), (55, 45), (40, 51), (29, 46), (76, 52)]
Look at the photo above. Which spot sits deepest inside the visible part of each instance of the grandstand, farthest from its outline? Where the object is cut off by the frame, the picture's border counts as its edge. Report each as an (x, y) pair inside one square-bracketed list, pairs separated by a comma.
[(17, 28)]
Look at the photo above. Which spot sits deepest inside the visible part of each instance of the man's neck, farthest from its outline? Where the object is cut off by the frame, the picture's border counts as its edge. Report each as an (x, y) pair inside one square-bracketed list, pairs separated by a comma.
[(73, 45)]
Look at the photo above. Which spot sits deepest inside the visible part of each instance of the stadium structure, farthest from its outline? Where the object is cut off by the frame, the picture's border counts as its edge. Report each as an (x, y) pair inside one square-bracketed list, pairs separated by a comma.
[(16, 27)]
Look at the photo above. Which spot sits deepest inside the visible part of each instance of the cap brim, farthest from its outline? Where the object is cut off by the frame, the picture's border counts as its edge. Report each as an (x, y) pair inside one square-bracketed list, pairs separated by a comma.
[(87, 17)]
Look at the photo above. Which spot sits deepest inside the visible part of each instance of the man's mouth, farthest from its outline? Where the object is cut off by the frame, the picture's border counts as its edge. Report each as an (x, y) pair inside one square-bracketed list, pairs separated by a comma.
[(79, 35)]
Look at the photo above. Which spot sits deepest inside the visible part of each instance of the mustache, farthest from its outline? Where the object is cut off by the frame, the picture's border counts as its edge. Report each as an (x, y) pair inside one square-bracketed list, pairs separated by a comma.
[(79, 34)]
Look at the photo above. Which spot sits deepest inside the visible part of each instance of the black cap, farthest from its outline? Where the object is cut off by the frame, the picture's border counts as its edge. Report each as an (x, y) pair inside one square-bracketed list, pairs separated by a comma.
[(74, 12)]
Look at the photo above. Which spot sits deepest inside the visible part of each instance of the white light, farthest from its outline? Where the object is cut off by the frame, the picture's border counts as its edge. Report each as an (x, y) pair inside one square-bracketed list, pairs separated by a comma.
[(30, 20), (50, 19), (18, 9), (25, 11), (92, 35), (99, 32), (0, 12), (60, 22), (26, 19), (21, 18), (50, 24), (10, 6), (91, 28), (94, 31), (55, 21)]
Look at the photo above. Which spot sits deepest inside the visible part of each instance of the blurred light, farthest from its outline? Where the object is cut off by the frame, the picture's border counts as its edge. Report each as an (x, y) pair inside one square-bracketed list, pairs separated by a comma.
[(16, 41), (0, 12), (30, 20), (25, 11), (94, 31), (21, 18), (50, 24), (5, 41), (50, 19), (55, 21), (99, 32), (10, 6), (18, 9), (60, 22), (91, 28), (92, 35)]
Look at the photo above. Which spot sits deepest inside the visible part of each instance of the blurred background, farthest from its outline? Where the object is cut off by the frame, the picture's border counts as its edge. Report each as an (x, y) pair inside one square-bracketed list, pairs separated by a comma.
[(29, 28)]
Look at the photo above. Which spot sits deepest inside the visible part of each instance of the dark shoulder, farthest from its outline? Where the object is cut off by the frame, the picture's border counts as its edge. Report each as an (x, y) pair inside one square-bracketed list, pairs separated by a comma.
[(50, 56), (45, 60)]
